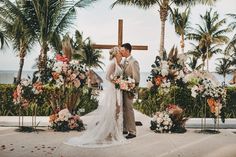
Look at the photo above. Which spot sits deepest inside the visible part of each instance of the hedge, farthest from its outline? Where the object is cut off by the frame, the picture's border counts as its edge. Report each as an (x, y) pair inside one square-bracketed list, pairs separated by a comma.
[(148, 103)]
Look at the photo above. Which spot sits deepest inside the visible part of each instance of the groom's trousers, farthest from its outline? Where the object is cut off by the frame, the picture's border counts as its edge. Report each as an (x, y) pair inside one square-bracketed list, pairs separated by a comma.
[(128, 112)]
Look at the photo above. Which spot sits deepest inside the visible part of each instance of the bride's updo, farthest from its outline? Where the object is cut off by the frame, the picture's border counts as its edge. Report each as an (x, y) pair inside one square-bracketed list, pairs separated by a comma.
[(113, 52)]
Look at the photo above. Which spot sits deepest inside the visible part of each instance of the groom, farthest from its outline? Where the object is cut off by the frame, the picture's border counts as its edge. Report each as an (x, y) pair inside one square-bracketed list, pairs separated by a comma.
[(131, 69)]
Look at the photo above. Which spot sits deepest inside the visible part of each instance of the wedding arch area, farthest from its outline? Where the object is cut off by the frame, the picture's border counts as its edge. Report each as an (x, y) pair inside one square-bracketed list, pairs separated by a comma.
[(182, 110)]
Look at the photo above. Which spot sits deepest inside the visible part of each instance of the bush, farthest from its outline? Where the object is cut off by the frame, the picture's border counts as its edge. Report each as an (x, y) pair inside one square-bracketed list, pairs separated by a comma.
[(8, 108), (151, 102)]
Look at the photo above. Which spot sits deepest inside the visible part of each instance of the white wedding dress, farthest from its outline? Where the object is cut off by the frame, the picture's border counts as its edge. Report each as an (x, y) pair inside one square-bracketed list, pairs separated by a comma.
[(106, 127)]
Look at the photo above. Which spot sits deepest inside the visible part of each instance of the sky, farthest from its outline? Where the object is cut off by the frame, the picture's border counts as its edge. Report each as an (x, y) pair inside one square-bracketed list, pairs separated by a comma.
[(141, 27)]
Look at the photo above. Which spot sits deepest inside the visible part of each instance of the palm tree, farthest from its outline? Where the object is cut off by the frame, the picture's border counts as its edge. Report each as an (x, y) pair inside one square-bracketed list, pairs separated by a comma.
[(181, 23), (231, 47), (2, 40), (223, 68), (15, 28), (193, 64), (90, 56), (210, 35), (51, 18), (164, 7), (194, 55)]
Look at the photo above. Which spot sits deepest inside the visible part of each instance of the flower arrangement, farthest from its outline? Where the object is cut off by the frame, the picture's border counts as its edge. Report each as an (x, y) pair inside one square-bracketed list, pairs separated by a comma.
[(28, 92), (65, 121), (161, 122), (166, 72), (170, 120), (214, 94), (67, 78)]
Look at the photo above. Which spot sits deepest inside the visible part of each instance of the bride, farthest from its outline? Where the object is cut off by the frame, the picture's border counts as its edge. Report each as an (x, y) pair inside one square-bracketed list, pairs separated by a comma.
[(107, 125)]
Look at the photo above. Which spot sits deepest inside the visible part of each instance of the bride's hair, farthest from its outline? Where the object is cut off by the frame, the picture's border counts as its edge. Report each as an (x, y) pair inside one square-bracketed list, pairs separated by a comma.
[(113, 52)]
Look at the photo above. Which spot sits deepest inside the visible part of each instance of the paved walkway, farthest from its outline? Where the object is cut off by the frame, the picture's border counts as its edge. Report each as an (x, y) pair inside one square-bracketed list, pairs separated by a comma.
[(147, 144)]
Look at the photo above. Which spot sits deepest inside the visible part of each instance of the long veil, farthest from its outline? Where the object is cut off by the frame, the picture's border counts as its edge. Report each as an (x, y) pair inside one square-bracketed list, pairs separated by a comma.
[(104, 129)]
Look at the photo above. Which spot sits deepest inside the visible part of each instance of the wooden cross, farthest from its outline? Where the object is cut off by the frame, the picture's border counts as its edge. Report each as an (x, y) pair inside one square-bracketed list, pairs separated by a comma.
[(120, 40)]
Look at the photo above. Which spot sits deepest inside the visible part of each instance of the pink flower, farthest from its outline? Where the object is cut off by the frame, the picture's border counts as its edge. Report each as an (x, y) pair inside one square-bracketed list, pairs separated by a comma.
[(77, 83), (64, 67), (72, 77), (123, 86)]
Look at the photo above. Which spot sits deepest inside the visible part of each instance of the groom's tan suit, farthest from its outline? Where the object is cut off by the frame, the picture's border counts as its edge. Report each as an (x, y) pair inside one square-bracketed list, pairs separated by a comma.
[(131, 69)]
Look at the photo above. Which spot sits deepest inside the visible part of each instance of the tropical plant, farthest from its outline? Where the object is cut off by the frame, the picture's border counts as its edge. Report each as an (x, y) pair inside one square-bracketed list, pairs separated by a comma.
[(2, 39), (199, 53), (210, 35), (86, 53), (231, 47), (223, 68), (16, 29), (181, 23), (193, 64), (164, 7), (51, 18)]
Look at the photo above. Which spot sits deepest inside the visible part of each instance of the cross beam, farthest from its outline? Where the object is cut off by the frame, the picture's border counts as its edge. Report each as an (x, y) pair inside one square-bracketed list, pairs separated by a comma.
[(120, 40)]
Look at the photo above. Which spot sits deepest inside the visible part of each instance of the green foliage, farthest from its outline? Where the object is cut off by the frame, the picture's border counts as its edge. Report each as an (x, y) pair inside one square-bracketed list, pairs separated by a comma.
[(149, 102), (8, 108)]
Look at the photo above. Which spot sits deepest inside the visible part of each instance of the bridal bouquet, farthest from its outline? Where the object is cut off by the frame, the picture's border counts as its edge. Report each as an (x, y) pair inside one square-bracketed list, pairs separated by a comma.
[(65, 121), (125, 84)]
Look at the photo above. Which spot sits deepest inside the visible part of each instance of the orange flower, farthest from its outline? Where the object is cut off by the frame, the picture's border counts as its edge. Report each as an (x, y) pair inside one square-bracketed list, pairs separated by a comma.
[(15, 95), (61, 58), (38, 86), (211, 102), (25, 104), (53, 118), (55, 75), (158, 80)]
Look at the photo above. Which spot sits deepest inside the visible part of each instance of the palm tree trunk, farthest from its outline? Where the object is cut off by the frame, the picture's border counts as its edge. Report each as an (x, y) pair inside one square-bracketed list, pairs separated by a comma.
[(22, 54), (43, 59), (224, 79), (182, 43), (163, 17), (207, 60), (18, 79)]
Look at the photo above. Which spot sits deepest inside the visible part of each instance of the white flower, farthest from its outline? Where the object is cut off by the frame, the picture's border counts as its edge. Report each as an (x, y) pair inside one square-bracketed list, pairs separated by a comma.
[(25, 82), (164, 68), (57, 67), (193, 91), (181, 75), (159, 120), (154, 118), (74, 62), (64, 115), (165, 123), (161, 115)]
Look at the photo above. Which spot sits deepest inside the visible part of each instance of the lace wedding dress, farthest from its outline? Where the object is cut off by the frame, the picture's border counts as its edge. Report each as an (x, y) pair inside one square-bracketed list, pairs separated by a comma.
[(106, 127)]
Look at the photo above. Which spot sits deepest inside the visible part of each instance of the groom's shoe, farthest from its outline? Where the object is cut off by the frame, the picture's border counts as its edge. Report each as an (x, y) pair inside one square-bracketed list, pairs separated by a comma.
[(129, 136), (125, 132)]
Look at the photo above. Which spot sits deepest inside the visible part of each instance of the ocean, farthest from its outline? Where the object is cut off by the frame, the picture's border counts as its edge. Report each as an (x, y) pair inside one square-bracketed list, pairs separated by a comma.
[(7, 77)]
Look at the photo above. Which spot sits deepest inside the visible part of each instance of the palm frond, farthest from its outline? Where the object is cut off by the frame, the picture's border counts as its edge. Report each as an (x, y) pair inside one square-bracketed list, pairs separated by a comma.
[(145, 4)]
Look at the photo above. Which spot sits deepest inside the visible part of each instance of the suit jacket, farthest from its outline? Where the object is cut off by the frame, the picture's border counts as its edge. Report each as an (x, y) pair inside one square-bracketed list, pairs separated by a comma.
[(131, 69)]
